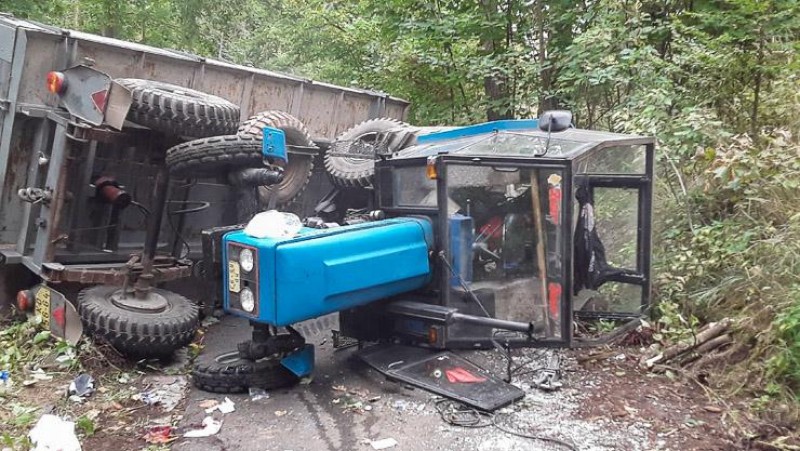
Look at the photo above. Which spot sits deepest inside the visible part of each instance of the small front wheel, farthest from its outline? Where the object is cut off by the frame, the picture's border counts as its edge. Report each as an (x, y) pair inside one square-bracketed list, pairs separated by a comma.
[(229, 373)]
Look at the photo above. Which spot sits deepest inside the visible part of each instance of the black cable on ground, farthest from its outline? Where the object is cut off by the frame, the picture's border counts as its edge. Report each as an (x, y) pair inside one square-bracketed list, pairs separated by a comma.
[(532, 436), (457, 414)]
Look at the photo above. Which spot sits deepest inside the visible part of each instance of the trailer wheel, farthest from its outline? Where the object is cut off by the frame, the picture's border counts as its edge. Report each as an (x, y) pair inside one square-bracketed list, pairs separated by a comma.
[(227, 373), (180, 111), (134, 332), (214, 156), (298, 171), (358, 172)]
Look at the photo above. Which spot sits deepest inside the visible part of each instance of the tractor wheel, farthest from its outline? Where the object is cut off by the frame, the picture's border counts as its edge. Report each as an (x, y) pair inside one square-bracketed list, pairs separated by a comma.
[(179, 111), (139, 332), (358, 172), (228, 373), (297, 172), (214, 156)]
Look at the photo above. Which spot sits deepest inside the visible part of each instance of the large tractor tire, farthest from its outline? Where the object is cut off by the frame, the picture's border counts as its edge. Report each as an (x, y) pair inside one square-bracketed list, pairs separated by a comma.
[(358, 172), (134, 332), (227, 373), (297, 172), (179, 111), (218, 155)]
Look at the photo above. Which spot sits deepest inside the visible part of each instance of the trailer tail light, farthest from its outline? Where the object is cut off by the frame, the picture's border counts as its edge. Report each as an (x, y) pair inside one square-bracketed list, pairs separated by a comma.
[(56, 83), (430, 169), (24, 301)]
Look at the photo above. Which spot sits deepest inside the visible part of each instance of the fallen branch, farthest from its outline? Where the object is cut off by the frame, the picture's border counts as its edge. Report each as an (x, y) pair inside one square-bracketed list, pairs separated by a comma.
[(707, 347), (706, 334)]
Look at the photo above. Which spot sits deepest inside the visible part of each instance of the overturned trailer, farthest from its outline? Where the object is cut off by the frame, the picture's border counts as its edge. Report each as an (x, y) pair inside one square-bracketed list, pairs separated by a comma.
[(85, 122)]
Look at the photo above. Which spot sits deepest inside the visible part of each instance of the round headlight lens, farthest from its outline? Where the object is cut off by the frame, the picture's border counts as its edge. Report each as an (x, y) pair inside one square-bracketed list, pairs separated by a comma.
[(248, 300), (246, 260)]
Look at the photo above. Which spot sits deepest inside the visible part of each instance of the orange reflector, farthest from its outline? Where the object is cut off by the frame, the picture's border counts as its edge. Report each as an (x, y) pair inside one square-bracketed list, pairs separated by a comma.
[(430, 170), (24, 300), (433, 335), (56, 83)]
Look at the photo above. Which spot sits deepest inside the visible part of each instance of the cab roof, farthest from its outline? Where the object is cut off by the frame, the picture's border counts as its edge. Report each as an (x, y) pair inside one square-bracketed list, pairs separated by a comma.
[(516, 138)]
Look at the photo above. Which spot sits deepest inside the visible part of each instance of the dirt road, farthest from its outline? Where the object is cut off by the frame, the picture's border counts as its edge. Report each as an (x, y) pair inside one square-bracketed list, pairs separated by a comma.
[(608, 405)]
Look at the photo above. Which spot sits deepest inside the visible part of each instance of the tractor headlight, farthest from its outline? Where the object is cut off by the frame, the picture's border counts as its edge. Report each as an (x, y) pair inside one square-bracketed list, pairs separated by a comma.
[(246, 260), (248, 300)]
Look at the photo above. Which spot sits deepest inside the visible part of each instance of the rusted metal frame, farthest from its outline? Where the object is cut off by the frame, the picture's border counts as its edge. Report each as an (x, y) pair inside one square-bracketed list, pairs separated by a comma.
[(297, 99), (50, 213), (81, 193), (18, 62), (144, 282), (118, 275), (39, 150), (247, 97)]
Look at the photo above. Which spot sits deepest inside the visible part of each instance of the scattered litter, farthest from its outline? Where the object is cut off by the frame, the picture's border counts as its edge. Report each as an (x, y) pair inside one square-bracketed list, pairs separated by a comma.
[(374, 399), (339, 388), (5, 381), (620, 357), (385, 443), (280, 413), (257, 394), (159, 435), (226, 406), (210, 427), (51, 433), (208, 403), (209, 320), (82, 386), (168, 392), (306, 380), (36, 376), (124, 378)]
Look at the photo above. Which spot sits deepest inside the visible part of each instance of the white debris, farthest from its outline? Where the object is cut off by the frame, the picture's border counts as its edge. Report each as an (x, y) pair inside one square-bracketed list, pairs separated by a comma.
[(385, 443), (51, 433), (210, 427), (226, 406)]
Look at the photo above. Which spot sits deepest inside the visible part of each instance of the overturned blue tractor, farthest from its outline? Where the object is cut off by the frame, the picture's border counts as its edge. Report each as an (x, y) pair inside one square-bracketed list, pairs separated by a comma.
[(468, 237)]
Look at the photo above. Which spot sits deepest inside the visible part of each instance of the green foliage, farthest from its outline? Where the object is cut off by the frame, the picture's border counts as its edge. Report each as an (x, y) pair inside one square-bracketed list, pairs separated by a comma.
[(85, 425), (742, 257), (24, 343)]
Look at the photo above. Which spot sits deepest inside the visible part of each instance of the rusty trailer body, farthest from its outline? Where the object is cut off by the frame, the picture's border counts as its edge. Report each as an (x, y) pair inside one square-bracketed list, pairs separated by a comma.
[(54, 220)]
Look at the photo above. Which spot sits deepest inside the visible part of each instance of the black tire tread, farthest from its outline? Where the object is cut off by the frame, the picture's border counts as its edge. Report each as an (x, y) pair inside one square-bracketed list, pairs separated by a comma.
[(215, 155), (298, 172), (215, 377), (345, 174), (195, 114), (138, 334)]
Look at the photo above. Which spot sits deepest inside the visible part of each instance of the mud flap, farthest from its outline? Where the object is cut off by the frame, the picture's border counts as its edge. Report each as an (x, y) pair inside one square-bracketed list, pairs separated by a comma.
[(58, 314), (443, 373), (300, 362)]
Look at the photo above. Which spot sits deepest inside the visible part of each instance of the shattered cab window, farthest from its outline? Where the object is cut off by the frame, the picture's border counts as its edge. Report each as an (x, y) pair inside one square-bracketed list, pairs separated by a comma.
[(505, 244)]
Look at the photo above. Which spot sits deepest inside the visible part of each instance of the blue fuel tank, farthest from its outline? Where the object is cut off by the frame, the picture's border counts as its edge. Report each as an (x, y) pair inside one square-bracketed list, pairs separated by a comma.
[(321, 271)]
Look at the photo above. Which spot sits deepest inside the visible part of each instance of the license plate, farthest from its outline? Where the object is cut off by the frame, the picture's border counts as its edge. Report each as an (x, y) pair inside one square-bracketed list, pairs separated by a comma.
[(234, 282), (42, 306)]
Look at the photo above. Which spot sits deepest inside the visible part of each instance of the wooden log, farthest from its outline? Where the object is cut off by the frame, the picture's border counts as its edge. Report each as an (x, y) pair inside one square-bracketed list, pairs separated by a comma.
[(712, 331)]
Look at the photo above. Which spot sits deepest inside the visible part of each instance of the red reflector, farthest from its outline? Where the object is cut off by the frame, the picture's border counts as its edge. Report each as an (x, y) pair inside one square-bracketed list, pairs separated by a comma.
[(99, 100), (59, 315), (56, 83), (24, 300)]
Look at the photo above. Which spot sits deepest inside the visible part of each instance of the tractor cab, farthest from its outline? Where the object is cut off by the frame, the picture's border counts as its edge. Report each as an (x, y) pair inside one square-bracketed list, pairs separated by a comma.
[(536, 223)]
